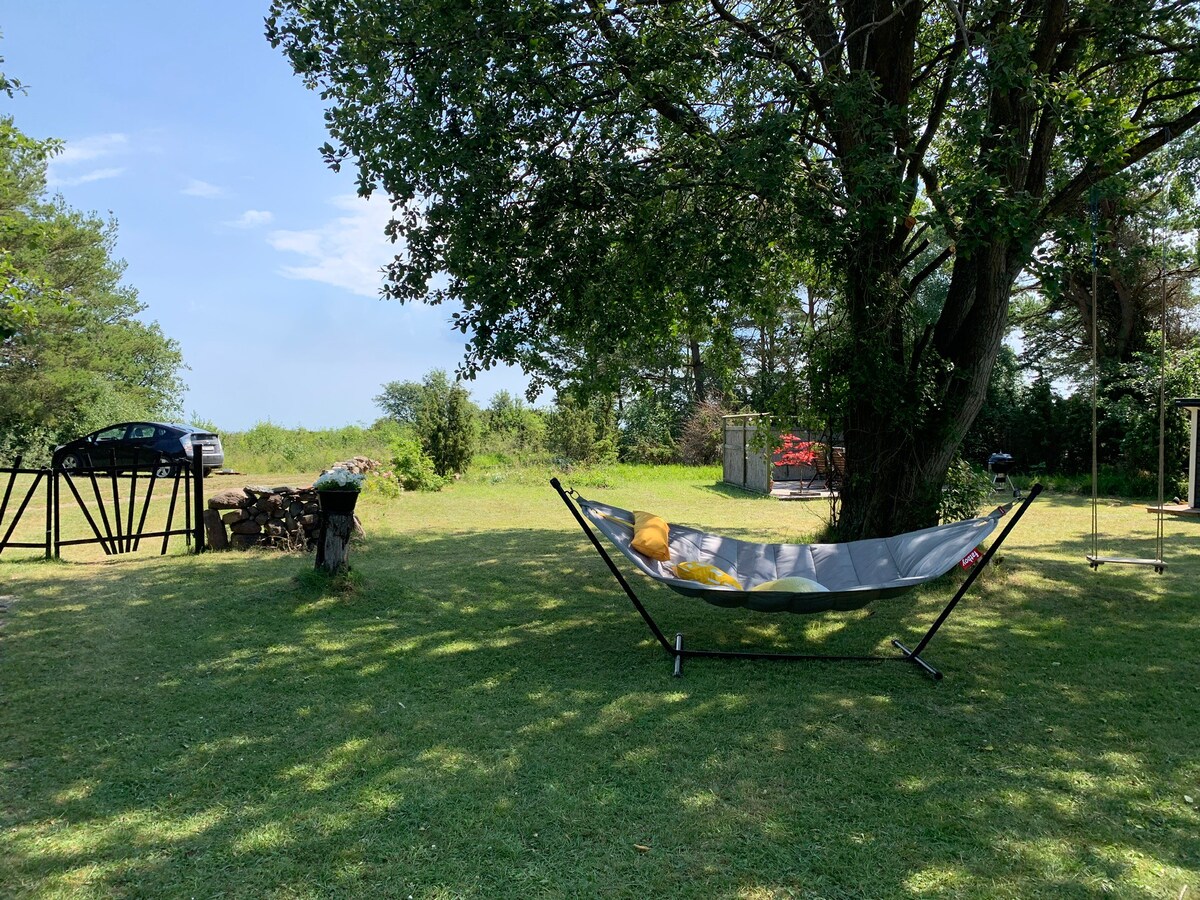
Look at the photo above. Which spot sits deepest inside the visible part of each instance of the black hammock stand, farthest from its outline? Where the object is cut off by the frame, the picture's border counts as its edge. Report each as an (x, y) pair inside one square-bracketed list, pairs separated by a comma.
[(680, 653)]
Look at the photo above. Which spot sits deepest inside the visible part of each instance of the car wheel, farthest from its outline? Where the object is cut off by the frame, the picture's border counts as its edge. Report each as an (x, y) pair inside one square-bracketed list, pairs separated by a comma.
[(209, 471), (164, 470), (71, 464)]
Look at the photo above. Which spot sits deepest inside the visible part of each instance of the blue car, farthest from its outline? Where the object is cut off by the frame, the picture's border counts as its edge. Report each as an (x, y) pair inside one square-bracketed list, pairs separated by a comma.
[(155, 446)]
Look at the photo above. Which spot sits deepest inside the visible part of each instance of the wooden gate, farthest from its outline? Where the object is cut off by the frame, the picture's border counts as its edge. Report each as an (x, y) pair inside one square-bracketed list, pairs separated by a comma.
[(39, 475), (116, 502)]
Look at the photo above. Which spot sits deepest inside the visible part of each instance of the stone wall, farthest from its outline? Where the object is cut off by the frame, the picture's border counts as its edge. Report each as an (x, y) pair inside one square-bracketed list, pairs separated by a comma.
[(285, 517), (359, 465)]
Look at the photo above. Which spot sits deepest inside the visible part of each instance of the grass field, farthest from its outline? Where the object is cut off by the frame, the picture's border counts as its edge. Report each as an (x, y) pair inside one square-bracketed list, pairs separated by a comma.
[(482, 714)]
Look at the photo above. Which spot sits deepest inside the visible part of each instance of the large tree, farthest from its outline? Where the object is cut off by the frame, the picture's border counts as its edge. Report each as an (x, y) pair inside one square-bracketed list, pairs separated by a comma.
[(598, 174), (73, 353)]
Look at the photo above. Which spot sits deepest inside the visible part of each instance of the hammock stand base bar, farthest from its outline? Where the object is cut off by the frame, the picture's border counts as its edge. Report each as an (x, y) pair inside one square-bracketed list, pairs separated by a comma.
[(679, 652)]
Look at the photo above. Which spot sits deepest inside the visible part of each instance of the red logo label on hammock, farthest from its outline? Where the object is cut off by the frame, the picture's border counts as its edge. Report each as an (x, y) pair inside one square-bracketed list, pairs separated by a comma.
[(970, 559)]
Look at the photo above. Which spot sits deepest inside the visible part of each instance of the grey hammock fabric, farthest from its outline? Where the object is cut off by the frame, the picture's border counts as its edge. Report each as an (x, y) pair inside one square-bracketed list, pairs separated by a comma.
[(856, 572)]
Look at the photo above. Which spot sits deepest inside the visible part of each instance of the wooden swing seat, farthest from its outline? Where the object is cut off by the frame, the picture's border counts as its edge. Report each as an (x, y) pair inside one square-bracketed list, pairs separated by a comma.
[(1096, 561)]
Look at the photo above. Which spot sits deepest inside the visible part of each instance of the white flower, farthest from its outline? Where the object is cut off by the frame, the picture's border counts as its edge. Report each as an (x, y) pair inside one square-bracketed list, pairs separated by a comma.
[(339, 479)]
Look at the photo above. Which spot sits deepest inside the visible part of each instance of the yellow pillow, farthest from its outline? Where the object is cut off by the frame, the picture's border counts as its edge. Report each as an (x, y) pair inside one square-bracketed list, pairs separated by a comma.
[(705, 574), (795, 584), (650, 536)]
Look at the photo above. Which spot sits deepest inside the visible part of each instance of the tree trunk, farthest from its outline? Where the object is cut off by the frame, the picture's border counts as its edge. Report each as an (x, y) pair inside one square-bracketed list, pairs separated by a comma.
[(906, 423), (333, 542), (699, 374)]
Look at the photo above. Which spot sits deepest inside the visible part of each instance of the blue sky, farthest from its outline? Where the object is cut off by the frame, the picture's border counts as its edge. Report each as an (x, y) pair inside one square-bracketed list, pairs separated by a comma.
[(183, 123)]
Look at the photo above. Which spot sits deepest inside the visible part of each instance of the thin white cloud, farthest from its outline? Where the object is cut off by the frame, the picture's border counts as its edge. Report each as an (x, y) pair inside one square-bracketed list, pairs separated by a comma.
[(95, 175), (93, 147), (347, 252), (197, 188), (252, 218), (62, 170)]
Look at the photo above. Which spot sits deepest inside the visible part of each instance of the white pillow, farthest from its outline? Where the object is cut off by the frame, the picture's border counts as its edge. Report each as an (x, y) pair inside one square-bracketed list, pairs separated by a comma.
[(793, 584)]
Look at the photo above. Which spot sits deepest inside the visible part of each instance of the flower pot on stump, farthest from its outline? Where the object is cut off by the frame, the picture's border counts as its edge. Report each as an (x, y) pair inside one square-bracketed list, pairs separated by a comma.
[(337, 524), (337, 492), (337, 502)]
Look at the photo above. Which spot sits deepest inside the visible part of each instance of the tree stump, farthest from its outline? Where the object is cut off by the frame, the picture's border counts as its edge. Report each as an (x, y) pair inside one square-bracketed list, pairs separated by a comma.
[(333, 542)]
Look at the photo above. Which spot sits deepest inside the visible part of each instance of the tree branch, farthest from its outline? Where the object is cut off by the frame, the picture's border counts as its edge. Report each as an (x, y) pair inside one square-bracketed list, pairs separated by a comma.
[(932, 266), (682, 117), (1070, 193)]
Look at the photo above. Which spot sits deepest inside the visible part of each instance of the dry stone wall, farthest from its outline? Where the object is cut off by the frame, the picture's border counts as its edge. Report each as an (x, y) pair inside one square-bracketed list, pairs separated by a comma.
[(286, 517)]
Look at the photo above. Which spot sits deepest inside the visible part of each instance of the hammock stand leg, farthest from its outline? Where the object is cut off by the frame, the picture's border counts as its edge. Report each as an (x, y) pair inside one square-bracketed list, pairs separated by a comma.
[(679, 652), (914, 655), (612, 567)]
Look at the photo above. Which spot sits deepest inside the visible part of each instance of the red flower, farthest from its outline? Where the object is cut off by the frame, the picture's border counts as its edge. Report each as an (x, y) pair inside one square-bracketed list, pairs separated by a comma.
[(796, 452)]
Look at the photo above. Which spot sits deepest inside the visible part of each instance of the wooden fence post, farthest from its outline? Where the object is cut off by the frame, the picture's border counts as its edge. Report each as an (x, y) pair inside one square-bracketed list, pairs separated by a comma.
[(197, 520)]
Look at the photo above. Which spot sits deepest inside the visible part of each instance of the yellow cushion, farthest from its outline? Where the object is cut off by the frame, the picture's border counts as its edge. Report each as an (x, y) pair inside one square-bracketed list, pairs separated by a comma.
[(650, 536), (705, 574), (795, 584)]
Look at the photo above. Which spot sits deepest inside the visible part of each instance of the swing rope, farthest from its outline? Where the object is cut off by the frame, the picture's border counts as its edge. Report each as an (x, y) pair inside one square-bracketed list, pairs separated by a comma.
[(1094, 215), (1162, 393), (1095, 560)]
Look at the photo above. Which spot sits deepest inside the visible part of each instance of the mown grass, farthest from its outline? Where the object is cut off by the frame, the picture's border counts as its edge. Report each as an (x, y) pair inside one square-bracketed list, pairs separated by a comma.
[(481, 714)]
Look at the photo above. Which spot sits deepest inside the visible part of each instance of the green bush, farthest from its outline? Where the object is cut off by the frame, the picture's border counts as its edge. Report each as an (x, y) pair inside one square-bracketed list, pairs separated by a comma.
[(413, 468), (385, 484), (580, 434), (646, 433), (446, 422), (510, 425), (965, 491)]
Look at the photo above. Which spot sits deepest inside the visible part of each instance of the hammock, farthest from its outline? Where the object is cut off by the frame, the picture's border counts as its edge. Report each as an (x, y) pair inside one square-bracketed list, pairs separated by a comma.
[(855, 573)]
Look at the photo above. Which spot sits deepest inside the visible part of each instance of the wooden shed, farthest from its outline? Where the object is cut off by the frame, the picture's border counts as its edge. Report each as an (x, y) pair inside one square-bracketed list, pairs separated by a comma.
[(750, 460)]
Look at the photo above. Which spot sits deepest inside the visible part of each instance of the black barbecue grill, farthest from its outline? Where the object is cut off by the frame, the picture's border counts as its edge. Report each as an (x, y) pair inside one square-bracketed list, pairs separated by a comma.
[(999, 465)]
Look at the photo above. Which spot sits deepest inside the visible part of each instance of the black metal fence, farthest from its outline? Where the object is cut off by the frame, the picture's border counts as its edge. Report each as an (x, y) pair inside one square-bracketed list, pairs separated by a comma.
[(114, 500)]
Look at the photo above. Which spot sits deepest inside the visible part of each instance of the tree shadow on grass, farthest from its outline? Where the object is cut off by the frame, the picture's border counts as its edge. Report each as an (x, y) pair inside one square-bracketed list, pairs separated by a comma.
[(725, 489), (487, 716)]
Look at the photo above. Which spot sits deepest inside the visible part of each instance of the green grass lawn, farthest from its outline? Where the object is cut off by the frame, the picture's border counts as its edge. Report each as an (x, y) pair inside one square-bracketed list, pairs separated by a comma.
[(484, 715)]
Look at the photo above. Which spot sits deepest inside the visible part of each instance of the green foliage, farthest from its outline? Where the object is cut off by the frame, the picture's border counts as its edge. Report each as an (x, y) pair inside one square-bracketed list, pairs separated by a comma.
[(401, 400), (413, 467), (967, 488), (446, 422), (10, 86), (442, 415), (1138, 230), (509, 424), (74, 355), (1130, 410), (580, 433), (268, 447), (386, 484), (647, 432), (1000, 420), (1114, 481)]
